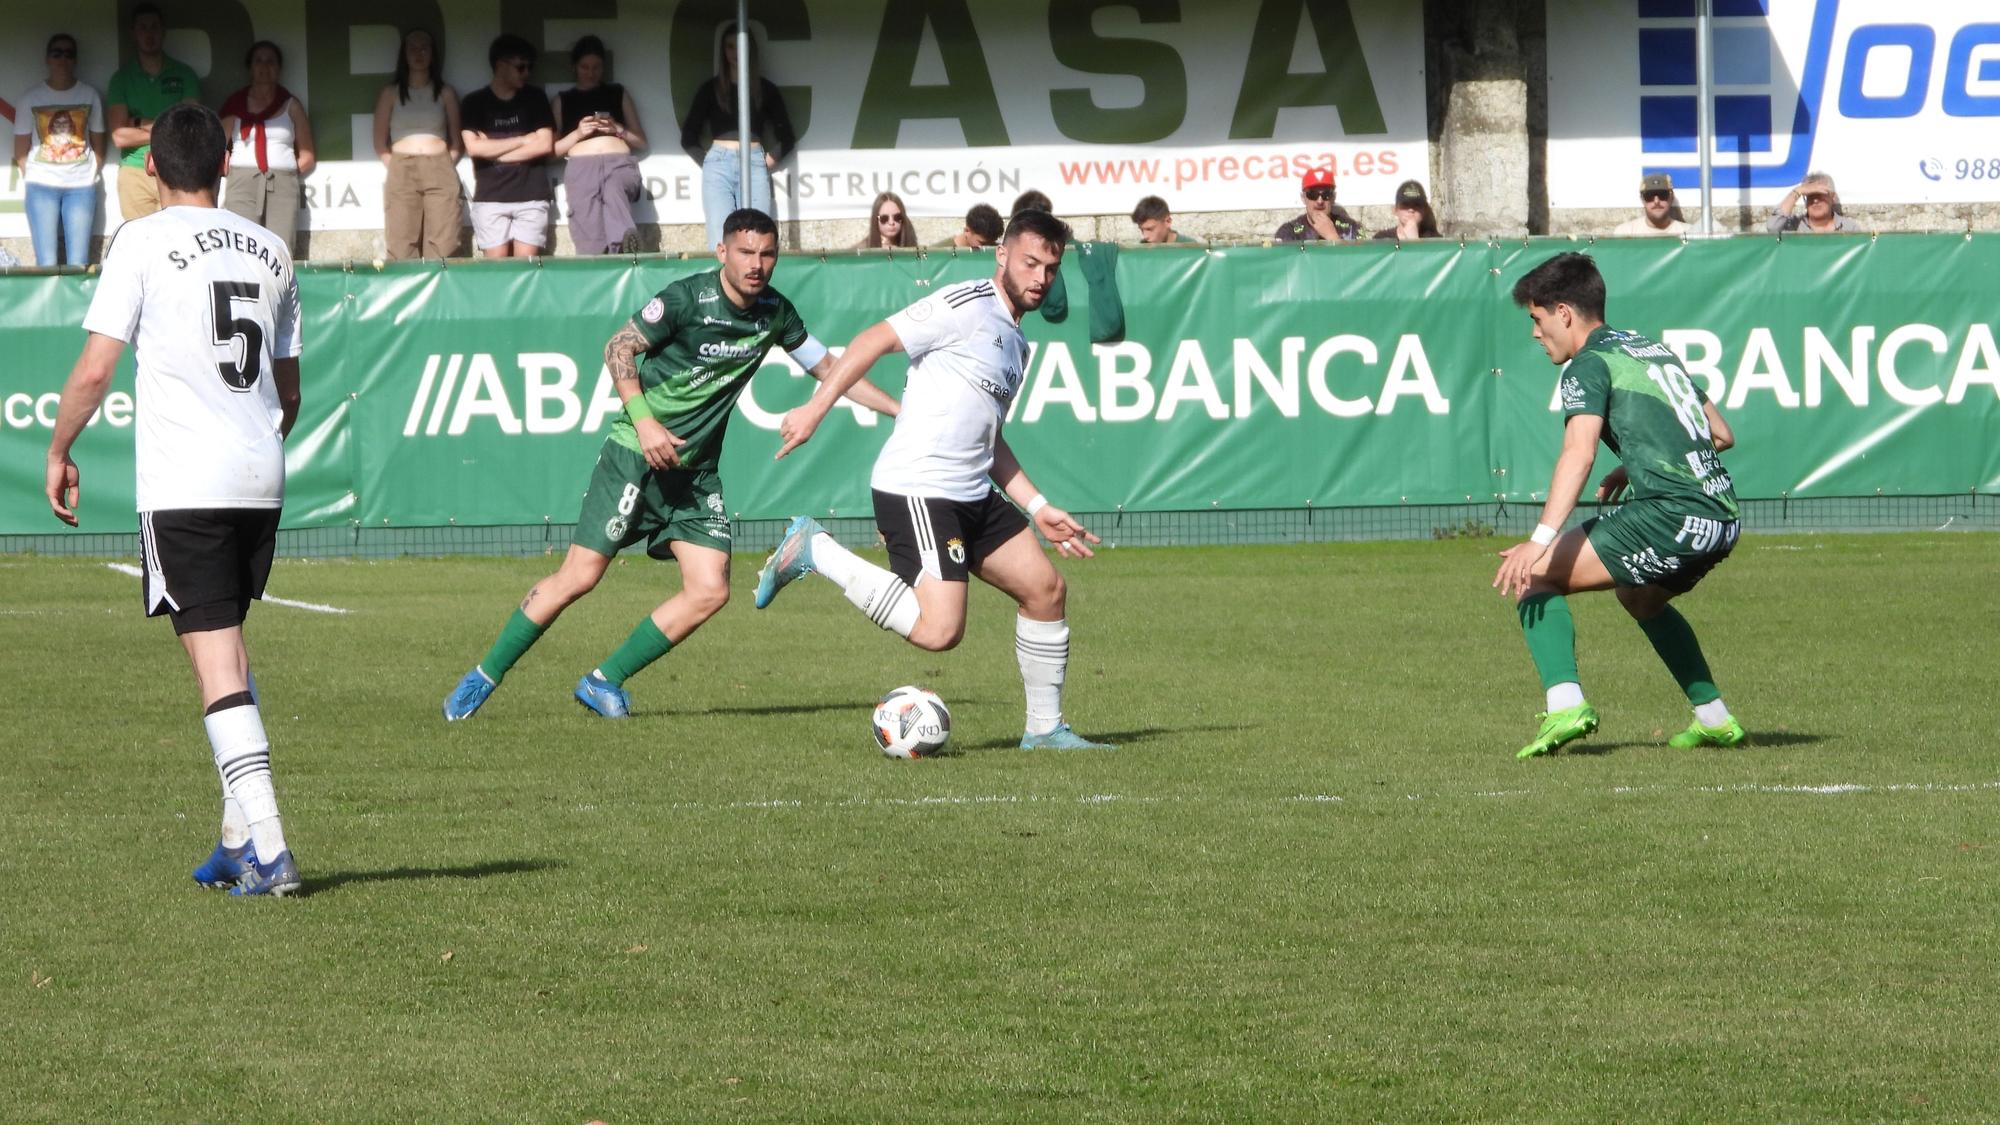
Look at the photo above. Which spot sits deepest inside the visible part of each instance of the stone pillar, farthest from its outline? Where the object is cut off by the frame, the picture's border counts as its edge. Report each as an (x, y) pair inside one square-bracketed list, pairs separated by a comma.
[(1479, 116)]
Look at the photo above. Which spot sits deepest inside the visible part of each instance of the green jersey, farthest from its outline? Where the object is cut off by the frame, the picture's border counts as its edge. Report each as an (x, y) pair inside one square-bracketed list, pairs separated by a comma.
[(702, 352), (146, 96), (1653, 420)]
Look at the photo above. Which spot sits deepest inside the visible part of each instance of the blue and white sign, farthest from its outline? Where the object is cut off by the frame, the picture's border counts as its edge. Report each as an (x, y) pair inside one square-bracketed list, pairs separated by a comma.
[(1898, 100)]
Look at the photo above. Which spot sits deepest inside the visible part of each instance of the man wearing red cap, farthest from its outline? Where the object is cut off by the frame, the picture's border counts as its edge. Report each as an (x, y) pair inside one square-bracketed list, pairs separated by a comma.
[(1324, 220)]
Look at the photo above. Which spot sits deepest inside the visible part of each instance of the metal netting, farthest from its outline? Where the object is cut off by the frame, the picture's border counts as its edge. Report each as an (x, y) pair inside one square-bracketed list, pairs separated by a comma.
[(1969, 511)]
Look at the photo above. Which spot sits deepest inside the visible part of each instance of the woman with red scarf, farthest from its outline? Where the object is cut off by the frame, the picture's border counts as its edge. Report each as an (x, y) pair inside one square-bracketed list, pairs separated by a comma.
[(270, 146)]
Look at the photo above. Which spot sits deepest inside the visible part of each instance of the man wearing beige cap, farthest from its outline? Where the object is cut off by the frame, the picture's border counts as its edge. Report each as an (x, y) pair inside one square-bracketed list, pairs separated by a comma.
[(1660, 214), (1323, 219)]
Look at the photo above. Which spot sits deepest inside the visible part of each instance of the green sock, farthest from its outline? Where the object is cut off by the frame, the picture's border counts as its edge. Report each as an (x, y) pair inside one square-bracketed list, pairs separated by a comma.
[(1551, 637), (645, 645), (1673, 639), (519, 635)]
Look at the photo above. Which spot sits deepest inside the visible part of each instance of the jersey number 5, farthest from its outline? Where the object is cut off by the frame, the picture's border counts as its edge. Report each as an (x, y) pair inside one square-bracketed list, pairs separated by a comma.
[(239, 338)]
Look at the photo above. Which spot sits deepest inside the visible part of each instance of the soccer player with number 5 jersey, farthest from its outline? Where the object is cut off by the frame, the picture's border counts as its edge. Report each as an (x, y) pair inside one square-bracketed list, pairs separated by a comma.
[(208, 303), (1678, 521)]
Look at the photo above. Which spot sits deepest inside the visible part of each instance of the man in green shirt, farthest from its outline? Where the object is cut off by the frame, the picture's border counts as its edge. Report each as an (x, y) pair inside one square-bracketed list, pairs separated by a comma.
[(1679, 520), (679, 365), (139, 92)]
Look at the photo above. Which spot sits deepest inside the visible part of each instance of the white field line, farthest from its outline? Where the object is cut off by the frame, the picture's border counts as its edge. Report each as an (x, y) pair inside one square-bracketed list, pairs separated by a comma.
[(315, 607), (1834, 789)]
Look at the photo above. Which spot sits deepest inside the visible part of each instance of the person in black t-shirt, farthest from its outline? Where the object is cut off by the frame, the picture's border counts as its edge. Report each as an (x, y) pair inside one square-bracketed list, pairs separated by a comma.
[(713, 111), (509, 133)]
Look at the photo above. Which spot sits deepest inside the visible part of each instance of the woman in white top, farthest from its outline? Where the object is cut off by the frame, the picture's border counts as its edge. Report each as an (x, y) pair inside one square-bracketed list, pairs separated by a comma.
[(417, 137), (59, 147), (270, 146)]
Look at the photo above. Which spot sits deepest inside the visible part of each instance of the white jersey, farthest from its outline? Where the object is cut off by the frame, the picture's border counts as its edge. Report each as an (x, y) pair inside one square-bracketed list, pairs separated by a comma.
[(967, 357), (207, 300)]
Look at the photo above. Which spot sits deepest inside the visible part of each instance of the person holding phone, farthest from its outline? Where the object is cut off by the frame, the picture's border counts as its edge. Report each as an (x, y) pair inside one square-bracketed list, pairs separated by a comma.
[(598, 133)]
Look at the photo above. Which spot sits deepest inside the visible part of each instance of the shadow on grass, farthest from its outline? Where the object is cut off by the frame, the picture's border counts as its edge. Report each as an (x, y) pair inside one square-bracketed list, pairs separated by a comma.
[(1119, 739), (323, 883), (1758, 740), (855, 706)]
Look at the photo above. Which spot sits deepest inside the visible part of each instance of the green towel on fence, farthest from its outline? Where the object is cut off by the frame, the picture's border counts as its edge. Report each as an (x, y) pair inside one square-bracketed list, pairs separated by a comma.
[(1099, 263)]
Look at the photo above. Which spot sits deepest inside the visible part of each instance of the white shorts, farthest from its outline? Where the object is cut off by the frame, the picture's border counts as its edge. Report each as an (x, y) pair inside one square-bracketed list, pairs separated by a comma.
[(497, 224)]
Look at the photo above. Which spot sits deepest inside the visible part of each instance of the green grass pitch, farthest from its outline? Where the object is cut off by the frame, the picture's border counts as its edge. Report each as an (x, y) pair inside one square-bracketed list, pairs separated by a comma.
[(1311, 884)]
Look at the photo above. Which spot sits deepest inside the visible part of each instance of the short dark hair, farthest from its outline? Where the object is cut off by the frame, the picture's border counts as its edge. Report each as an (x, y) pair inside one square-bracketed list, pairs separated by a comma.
[(140, 11), (275, 49), (585, 47), (1150, 208), (188, 147), (59, 37), (1031, 200), (507, 45), (1041, 224), (1566, 279), (984, 220), (750, 219)]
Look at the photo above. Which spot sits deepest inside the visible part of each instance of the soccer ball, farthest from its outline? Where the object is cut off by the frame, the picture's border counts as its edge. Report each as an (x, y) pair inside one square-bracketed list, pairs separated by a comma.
[(911, 722)]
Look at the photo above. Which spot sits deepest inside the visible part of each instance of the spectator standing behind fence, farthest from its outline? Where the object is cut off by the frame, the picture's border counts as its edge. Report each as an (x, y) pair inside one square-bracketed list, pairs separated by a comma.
[(889, 224), (417, 138), (270, 146), (1414, 217), (138, 93), (59, 147), (1660, 212), (983, 227), (1822, 215), (1323, 219), (713, 112), (509, 133), (597, 131), (1156, 222)]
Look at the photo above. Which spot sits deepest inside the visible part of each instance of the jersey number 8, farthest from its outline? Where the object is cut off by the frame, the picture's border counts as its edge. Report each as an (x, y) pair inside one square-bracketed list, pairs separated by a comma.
[(240, 373)]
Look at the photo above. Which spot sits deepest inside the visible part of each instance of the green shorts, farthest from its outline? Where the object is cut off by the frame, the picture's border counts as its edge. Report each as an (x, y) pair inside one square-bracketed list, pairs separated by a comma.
[(1649, 543), (629, 500)]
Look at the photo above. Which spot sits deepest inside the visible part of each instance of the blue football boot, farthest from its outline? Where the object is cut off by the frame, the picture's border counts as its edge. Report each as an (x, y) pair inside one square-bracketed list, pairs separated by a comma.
[(277, 879), (1061, 738), (468, 695), (603, 696), (224, 866), (792, 560)]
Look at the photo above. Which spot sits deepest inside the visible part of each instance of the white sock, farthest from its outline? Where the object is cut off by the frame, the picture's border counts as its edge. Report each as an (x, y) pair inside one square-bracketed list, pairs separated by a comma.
[(1041, 648), (243, 757), (1562, 697), (1712, 713), (235, 829), (834, 561), (885, 598)]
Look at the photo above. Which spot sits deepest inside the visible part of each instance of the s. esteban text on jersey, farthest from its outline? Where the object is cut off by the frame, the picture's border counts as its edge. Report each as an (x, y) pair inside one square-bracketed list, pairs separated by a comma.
[(221, 238)]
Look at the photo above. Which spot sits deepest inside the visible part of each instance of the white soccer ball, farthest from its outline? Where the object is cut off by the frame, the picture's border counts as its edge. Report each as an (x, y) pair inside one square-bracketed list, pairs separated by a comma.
[(911, 722)]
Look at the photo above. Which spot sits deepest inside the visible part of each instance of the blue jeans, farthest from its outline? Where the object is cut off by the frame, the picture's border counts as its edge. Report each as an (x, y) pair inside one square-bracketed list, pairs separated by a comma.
[(722, 186), (74, 209)]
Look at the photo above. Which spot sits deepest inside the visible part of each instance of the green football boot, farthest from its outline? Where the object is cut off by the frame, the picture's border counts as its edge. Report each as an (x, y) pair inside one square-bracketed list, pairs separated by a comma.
[(1559, 727), (1730, 733)]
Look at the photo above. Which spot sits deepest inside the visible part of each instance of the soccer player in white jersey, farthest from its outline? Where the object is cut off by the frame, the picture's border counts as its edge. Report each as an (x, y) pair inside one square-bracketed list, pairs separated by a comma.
[(936, 503), (209, 305)]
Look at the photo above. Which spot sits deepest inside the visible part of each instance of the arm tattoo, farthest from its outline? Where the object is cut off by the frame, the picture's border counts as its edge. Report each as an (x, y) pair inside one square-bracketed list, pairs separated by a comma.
[(621, 354)]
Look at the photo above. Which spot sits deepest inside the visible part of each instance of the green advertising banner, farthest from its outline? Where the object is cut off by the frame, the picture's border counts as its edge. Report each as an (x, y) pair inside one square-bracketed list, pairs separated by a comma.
[(474, 394)]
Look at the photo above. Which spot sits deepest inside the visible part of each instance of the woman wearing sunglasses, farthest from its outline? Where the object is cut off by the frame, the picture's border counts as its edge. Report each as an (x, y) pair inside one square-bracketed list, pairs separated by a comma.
[(1822, 215), (58, 148), (888, 224)]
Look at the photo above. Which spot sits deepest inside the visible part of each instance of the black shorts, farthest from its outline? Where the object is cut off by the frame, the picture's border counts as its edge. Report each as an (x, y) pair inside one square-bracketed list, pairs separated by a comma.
[(943, 538), (204, 565)]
